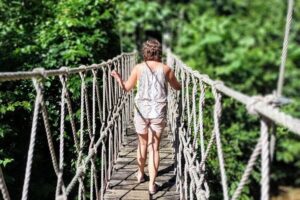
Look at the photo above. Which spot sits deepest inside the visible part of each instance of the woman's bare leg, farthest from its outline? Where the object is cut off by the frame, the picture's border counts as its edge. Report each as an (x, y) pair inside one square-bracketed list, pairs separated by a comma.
[(153, 164), (142, 153)]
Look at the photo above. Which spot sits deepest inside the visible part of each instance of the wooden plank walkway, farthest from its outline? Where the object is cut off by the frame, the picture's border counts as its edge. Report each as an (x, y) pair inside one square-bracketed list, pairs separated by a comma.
[(123, 183)]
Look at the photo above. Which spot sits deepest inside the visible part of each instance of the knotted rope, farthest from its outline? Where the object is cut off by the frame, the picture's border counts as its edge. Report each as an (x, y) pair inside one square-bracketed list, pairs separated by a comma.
[(109, 126), (191, 172)]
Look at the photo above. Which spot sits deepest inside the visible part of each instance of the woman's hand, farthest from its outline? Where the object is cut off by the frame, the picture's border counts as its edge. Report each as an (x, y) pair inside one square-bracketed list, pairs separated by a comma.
[(126, 85), (116, 75)]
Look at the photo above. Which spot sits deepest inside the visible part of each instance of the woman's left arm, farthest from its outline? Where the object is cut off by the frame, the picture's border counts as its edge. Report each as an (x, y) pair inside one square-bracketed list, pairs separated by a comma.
[(130, 83)]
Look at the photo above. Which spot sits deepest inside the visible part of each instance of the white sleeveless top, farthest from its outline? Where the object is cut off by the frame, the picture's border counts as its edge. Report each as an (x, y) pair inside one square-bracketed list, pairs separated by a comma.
[(151, 96)]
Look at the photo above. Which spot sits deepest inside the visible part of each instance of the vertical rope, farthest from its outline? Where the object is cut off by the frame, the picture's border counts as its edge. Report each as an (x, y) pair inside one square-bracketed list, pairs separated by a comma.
[(98, 97), (185, 181), (187, 103), (104, 79), (247, 171), (87, 112), (195, 126), (201, 105), (61, 137), (93, 133), (73, 127), (3, 187), (96, 181), (81, 133), (264, 160), (103, 177), (217, 115), (91, 183), (38, 87), (49, 137), (285, 47)]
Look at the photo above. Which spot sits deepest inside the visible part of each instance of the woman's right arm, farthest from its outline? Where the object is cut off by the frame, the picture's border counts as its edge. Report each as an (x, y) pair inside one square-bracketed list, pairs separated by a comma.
[(130, 83), (172, 79)]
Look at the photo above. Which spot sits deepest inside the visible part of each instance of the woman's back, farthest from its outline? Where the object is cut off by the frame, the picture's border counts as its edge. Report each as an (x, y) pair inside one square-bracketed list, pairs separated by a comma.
[(151, 97)]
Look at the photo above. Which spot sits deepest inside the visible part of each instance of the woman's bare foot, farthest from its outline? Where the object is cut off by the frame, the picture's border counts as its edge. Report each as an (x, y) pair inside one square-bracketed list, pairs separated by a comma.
[(153, 188), (140, 176)]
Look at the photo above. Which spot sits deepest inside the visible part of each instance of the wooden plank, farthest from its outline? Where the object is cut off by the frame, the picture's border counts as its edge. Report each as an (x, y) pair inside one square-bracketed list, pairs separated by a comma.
[(133, 154), (135, 137), (126, 151), (131, 174), (168, 157), (134, 162), (119, 175), (123, 160), (133, 149), (135, 142), (133, 167), (168, 185), (140, 195), (131, 130)]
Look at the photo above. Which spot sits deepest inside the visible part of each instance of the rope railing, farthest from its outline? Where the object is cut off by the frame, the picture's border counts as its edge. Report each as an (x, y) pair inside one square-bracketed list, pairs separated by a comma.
[(40, 72), (186, 114), (105, 111), (100, 133)]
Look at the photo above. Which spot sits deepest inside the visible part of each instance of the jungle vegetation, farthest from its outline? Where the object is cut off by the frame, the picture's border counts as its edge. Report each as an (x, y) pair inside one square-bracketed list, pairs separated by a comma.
[(236, 41)]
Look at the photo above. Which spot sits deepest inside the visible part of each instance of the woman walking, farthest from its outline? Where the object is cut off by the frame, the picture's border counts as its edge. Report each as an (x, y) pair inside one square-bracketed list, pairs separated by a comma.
[(152, 78)]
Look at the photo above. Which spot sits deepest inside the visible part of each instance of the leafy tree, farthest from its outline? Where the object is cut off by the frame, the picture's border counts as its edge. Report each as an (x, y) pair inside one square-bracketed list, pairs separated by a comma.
[(139, 20), (240, 42), (47, 34)]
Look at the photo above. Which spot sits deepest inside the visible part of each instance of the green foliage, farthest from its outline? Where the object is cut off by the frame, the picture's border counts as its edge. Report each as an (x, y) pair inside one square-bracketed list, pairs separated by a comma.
[(237, 41), (48, 34), (240, 43), (139, 20), (81, 32)]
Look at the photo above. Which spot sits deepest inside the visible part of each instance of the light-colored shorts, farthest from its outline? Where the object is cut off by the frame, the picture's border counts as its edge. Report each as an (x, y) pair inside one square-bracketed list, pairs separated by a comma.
[(142, 125)]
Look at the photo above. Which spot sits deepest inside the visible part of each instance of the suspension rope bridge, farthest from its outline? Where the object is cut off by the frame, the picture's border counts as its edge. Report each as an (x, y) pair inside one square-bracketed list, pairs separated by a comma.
[(106, 125), (103, 136)]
